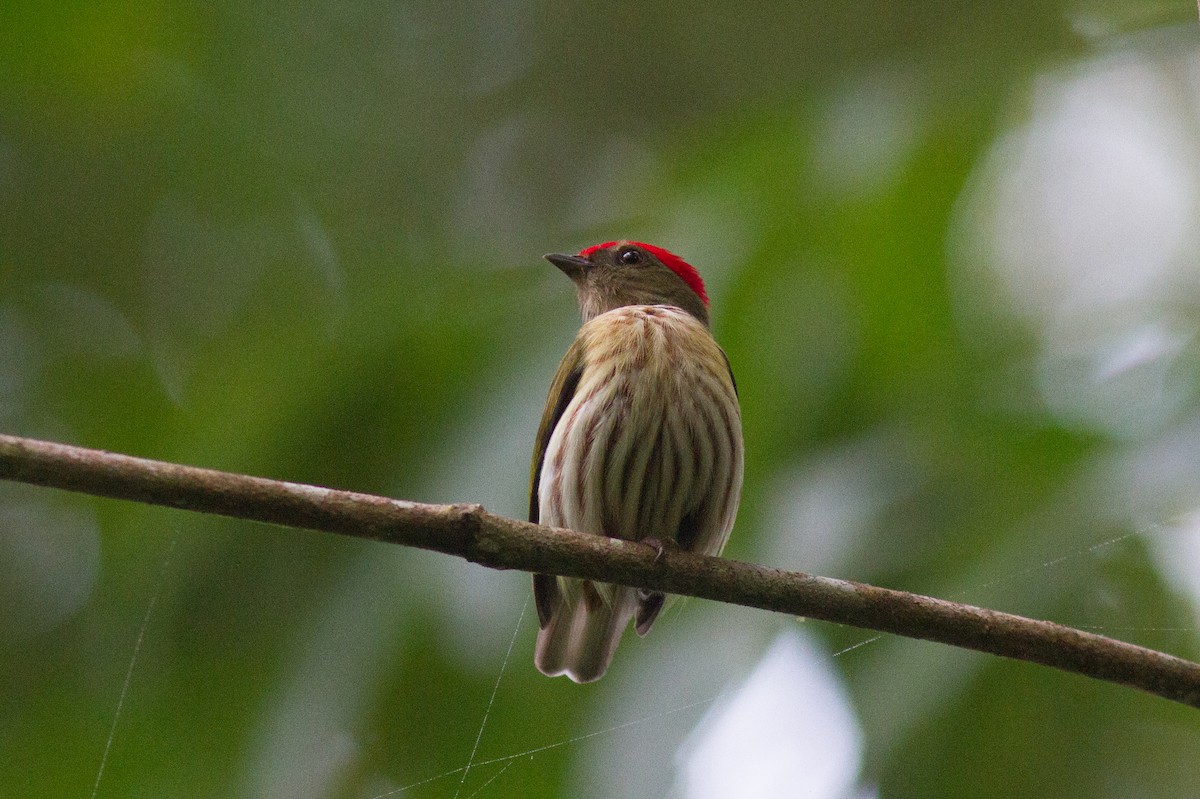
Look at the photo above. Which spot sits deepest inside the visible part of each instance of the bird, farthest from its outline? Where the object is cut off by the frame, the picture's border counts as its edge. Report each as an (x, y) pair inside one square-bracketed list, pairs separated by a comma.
[(640, 439)]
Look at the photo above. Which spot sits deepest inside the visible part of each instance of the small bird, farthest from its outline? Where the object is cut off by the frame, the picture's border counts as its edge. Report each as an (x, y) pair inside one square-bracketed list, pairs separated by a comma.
[(641, 439)]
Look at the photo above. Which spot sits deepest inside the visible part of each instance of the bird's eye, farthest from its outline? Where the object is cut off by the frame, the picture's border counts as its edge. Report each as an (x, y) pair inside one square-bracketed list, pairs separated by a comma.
[(631, 257)]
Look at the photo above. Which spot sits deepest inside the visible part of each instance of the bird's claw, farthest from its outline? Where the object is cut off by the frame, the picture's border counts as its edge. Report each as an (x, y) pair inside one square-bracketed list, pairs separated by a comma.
[(660, 547)]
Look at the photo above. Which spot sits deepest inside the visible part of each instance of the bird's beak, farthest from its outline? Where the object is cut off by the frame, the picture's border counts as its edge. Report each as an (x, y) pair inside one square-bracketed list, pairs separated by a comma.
[(571, 265)]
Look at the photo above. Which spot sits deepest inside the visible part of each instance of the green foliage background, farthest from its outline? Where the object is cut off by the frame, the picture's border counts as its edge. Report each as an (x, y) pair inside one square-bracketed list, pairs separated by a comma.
[(303, 241)]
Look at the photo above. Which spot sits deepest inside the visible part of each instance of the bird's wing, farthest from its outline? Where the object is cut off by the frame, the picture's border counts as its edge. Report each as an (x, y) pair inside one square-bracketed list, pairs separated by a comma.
[(562, 390), (729, 366)]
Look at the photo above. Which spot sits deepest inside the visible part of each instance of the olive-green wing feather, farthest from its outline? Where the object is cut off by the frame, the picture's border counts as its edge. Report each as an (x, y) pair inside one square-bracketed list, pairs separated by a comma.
[(729, 366), (562, 390)]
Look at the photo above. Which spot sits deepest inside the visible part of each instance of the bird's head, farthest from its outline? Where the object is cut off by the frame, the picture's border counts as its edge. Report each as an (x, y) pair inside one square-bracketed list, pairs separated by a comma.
[(619, 273)]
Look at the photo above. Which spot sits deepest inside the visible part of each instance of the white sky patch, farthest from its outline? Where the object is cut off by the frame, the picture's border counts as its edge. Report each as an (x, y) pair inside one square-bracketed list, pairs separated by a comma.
[(1155, 489), (1096, 193), (787, 730), (1177, 552), (1125, 380), (1146, 345), (1083, 223)]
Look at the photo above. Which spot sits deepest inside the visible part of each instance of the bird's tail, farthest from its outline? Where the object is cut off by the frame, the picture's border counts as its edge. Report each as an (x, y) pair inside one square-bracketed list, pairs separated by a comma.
[(583, 631)]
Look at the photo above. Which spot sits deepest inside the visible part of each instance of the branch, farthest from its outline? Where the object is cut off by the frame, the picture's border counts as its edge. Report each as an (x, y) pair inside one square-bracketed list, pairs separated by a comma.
[(470, 532)]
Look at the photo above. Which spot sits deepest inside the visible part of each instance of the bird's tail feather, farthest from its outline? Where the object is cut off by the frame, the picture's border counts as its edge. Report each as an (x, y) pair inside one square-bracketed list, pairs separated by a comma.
[(582, 635)]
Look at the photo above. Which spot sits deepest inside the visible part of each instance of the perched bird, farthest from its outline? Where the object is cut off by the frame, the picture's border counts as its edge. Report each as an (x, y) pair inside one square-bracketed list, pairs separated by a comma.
[(641, 439)]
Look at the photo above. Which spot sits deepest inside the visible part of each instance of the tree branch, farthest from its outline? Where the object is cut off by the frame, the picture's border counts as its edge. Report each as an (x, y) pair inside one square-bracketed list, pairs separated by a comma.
[(470, 532)]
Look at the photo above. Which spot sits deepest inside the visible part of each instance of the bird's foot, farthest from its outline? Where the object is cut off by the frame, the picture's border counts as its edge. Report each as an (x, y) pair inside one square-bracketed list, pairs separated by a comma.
[(661, 547)]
